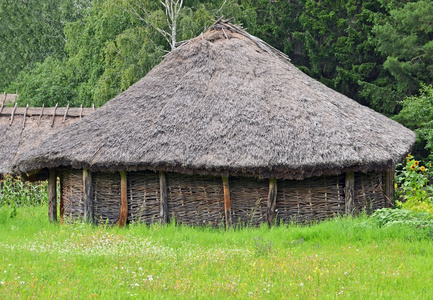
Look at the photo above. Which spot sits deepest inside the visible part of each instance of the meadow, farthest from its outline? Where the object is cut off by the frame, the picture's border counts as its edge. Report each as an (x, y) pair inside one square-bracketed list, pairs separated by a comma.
[(350, 258)]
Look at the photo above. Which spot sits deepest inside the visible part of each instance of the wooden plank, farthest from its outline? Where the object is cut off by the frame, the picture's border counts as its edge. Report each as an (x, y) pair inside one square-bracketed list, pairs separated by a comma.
[(349, 192), (389, 187), (52, 196), (88, 196), (123, 199), (227, 204), (163, 202), (272, 200)]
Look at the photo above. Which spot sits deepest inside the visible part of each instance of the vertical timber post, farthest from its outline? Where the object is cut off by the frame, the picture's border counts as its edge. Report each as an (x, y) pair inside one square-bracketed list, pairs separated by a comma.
[(163, 203), (88, 195), (389, 187), (349, 192), (62, 200), (227, 204), (123, 199), (272, 200), (52, 195)]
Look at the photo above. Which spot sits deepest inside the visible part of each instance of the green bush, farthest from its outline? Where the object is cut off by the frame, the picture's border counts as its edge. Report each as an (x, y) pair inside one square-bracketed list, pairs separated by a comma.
[(413, 190), (388, 217)]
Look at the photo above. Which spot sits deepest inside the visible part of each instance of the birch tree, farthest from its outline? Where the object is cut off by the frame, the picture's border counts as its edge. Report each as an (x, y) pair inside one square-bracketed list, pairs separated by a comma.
[(172, 10)]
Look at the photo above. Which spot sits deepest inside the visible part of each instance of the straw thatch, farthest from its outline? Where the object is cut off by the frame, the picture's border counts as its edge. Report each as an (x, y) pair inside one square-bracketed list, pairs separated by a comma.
[(226, 103), (23, 128)]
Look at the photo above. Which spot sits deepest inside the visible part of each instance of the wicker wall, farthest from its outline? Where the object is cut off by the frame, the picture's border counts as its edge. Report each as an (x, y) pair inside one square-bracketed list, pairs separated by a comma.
[(248, 198), (106, 202), (369, 192), (71, 182), (199, 200), (195, 200), (310, 199), (143, 197)]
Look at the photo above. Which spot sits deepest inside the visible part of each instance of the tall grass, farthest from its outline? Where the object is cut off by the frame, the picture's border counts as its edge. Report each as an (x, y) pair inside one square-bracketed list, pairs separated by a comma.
[(15, 192), (351, 258)]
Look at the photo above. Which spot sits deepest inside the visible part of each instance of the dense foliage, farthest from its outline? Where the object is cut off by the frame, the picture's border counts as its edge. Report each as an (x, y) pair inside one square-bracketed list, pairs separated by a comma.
[(417, 114), (32, 31), (82, 51)]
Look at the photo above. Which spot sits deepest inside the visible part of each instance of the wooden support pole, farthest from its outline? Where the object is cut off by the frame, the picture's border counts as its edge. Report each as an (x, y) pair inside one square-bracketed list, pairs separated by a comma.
[(389, 187), (227, 204), (123, 199), (66, 113), (349, 192), (25, 115), (272, 200), (52, 196), (13, 113), (62, 200), (3, 102), (54, 116), (163, 202), (40, 116), (88, 196)]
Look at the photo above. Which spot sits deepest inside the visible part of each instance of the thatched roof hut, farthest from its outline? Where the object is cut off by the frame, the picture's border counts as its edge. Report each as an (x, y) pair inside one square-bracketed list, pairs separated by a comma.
[(21, 128), (227, 104)]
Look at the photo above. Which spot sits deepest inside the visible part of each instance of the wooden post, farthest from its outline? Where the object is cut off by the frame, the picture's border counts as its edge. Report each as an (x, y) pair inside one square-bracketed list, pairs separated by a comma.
[(272, 200), (54, 115), (163, 201), (3, 103), (123, 199), (13, 114), (227, 205), (349, 192), (88, 195), (52, 196), (389, 187), (62, 205), (25, 115)]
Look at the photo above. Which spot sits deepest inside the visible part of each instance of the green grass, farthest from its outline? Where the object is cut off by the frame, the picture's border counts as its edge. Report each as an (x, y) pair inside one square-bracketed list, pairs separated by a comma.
[(343, 258)]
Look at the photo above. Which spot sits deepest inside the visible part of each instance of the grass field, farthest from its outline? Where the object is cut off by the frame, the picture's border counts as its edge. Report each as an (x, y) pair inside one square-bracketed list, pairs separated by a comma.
[(344, 258)]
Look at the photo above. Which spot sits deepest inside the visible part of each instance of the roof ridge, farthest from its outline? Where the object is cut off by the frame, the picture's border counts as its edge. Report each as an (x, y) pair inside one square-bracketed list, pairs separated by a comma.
[(221, 24)]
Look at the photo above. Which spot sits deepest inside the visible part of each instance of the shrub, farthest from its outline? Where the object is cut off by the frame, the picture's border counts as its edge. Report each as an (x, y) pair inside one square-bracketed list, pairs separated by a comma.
[(413, 190), (388, 217)]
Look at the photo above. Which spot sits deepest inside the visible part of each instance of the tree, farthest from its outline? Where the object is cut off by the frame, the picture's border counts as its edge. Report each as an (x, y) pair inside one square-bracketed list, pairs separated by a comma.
[(106, 51), (417, 114), (337, 45), (405, 37), (31, 31)]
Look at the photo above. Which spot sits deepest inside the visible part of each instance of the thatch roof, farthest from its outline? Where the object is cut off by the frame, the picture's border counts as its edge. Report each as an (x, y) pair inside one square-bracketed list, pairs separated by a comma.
[(227, 103), (23, 128)]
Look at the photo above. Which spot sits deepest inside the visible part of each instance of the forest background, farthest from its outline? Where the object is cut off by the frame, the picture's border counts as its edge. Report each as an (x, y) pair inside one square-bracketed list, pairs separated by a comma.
[(377, 52)]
